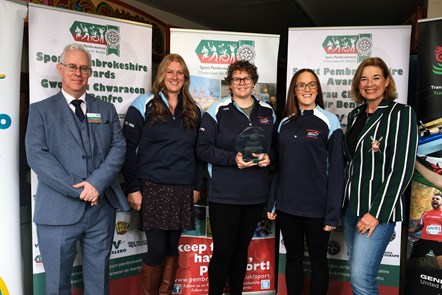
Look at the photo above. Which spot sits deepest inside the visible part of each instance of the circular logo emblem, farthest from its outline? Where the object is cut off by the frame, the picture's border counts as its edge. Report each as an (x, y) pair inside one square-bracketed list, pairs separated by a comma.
[(393, 236), (5, 122), (246, 52), (364, 45), (333, 247), (112, 37)]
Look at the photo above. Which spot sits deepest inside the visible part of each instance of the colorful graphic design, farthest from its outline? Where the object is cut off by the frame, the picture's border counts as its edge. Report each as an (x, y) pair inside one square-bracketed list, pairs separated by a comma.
[(360, 44), (97, 34), (437, 69), (225, 52), (3, 288)]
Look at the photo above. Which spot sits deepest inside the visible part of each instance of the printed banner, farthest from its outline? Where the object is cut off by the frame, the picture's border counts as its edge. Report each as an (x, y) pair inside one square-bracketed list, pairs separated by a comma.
[(424, 244), (334, 54), (122, 70), (208, 54), (12, 16)]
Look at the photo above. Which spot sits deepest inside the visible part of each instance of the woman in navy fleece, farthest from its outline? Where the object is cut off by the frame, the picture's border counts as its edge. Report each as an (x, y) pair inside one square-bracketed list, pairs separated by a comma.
[(161, 172), (308, 185), (238, 189)]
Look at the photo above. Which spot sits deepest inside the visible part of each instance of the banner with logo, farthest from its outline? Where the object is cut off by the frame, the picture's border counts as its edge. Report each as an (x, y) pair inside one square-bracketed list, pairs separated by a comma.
[(424, 244), (121, 64), (334, 54), (208, 54), (12, 16)]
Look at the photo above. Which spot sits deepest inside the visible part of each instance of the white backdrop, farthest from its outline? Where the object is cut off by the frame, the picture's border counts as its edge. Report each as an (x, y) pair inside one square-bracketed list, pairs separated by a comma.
[(12, 15)]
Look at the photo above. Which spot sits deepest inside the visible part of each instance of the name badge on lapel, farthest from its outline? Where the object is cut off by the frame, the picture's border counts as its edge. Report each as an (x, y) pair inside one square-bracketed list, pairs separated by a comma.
[(94, 118)]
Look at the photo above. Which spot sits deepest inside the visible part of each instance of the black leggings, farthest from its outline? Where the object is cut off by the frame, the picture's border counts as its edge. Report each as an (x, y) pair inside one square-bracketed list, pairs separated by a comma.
[(294, 229), (161, 243), (232, 229)]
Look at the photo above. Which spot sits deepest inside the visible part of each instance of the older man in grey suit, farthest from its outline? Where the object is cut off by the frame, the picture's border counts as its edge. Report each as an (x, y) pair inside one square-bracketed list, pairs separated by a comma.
[(75, 145)]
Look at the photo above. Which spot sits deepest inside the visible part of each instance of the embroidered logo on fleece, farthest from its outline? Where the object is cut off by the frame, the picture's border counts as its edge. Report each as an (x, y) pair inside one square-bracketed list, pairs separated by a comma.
[(264, 120), (312, 133)]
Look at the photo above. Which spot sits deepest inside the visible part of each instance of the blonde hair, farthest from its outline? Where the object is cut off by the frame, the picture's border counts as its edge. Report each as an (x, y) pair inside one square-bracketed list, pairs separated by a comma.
[(190, 110)]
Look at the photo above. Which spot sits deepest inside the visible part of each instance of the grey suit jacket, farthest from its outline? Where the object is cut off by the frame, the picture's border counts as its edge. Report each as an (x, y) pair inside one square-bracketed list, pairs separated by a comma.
[(55, 152)]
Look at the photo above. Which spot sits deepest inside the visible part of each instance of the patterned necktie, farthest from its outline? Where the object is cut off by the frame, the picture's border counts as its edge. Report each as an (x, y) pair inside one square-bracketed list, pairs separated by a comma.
[(78, 110)]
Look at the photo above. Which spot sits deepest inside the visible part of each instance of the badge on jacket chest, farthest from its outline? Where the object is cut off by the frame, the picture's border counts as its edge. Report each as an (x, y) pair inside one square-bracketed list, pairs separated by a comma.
[(375, 144)]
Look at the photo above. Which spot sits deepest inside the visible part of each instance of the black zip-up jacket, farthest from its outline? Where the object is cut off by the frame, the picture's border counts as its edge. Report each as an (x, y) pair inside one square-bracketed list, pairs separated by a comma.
[(219, 128), (309, 178)]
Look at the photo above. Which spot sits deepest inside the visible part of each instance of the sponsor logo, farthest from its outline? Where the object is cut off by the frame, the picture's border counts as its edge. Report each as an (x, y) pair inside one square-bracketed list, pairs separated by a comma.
[(38, 259), (311, 133), (225, 52), (3, 287), (393, 236), (437, 69), (264, 120), (131, 125), (117, 245), (391, 254), (434, 229), (265, 284), (359, 45), (134, 244), (5, 120), (333, 247), (97, 34), (121, 227)]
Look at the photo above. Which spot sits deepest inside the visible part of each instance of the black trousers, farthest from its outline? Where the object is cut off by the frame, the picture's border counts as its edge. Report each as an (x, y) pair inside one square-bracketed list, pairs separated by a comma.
[(294, 229), (232, 228)]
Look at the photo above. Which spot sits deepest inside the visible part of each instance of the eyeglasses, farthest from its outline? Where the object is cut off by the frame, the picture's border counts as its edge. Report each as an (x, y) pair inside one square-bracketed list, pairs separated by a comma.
[(237, 81), (74, 68), (311, 85)]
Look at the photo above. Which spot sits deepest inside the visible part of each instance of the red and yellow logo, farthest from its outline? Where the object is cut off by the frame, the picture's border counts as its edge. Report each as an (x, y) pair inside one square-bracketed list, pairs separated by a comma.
[(3, 289)]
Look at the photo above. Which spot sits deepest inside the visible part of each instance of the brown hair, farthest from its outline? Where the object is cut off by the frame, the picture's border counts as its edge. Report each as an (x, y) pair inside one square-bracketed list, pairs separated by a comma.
[(292, 105), (242, 65), (390, 91), (158, 112)]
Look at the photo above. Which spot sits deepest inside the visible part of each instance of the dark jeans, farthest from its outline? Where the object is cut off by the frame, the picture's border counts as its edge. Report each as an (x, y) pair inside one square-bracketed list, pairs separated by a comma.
[(294, 229), (232, 229)]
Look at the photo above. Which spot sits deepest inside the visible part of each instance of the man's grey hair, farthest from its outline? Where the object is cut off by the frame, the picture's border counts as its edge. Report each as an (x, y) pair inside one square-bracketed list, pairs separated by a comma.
[(76, 47)]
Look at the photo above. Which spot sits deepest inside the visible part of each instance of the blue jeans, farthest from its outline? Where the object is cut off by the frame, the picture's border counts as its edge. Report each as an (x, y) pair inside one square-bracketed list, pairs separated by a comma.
[(365, 254)]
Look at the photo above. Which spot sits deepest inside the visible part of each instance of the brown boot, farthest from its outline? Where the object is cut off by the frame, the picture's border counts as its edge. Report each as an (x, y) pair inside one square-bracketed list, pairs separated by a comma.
[(151, 279), (170, 269)]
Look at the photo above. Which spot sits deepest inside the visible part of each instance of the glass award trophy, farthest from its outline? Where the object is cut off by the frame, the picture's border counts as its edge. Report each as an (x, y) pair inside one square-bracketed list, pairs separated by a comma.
[(251, 140)]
